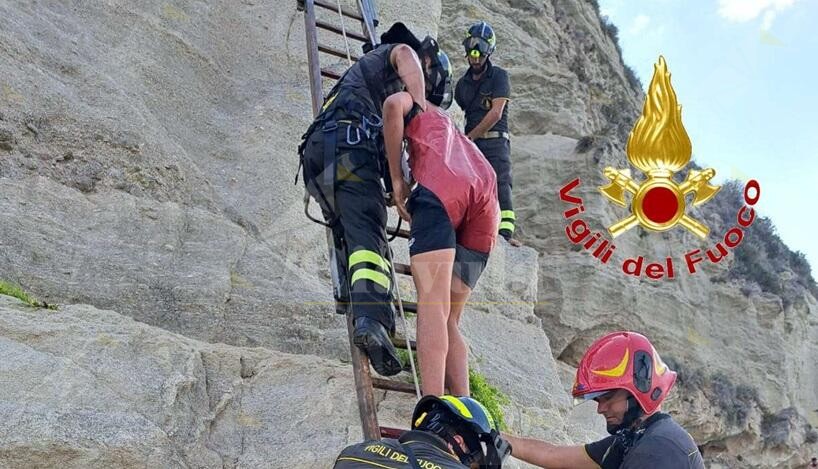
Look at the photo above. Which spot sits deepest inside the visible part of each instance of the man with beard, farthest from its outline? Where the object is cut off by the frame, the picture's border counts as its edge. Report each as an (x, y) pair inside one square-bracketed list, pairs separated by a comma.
[(626, 377), (483, 93)]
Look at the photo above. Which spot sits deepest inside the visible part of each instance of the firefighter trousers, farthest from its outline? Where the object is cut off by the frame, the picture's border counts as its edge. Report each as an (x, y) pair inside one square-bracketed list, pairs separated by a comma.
[(342, 172), (498, 152)]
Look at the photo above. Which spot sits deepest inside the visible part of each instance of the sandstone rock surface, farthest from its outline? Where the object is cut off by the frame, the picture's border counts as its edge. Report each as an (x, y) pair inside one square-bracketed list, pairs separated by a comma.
[(147, 151)]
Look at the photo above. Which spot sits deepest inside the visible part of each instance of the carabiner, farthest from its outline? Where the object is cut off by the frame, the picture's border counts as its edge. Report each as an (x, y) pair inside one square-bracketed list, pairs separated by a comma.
[(357, 135)]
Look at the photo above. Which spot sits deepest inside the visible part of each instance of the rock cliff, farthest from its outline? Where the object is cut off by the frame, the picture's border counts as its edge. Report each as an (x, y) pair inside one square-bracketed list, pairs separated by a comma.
[(147, 151)]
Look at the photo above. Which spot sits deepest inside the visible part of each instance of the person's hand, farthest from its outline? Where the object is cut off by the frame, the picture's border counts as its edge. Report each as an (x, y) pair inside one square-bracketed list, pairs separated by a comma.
[(400, 191)]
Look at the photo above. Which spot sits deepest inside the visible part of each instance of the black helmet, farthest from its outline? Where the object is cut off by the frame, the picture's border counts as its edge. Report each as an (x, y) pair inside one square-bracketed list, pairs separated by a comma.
[(447, 416), (480, 38), (398, 33), (438, 74)]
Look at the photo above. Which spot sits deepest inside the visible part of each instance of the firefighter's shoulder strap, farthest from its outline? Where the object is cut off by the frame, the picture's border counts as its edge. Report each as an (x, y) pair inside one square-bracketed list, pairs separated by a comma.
[(413, 460)]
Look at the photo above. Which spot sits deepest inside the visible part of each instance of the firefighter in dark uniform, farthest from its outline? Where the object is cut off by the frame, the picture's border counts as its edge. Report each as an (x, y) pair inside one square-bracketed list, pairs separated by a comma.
[(342, 157), (448, 432), (622, 372), (483, 93)]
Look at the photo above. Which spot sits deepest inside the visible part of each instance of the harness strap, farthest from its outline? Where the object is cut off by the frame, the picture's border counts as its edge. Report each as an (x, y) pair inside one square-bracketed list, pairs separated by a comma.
[(413, 460), (416, 109), (330, 130)]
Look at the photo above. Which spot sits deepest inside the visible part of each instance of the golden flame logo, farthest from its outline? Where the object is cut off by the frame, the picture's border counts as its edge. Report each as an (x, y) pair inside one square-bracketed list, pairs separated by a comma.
[(659, 146)]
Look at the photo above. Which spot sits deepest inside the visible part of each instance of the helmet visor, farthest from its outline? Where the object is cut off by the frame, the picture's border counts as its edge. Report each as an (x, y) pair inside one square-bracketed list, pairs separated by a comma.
[(591, 396), (439, 80), (476, 43)]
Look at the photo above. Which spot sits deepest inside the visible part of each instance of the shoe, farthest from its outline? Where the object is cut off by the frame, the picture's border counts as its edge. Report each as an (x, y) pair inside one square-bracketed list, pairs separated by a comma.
[(371, 337)]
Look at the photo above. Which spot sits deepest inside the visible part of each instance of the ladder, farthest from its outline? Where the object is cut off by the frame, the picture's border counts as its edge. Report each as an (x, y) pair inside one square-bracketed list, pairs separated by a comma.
[(365, 383)]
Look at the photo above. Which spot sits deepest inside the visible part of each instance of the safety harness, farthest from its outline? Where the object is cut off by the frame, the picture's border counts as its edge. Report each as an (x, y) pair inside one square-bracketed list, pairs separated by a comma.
[(342, 107)]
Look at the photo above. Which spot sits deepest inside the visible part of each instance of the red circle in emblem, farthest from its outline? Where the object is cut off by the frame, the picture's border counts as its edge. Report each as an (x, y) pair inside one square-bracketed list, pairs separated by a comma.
[(660, 205)]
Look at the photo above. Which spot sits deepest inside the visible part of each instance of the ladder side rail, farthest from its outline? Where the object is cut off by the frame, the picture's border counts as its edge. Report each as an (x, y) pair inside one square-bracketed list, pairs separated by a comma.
[(316, 89), (363, 388), (370, 22), (360, 363)]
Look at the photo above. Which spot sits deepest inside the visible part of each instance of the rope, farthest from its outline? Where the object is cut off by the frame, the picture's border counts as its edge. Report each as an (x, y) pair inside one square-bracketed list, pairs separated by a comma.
[(344, 31), (405, 323)]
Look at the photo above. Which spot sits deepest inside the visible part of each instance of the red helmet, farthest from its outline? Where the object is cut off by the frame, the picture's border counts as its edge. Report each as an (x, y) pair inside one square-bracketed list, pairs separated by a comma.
[(624, 360)]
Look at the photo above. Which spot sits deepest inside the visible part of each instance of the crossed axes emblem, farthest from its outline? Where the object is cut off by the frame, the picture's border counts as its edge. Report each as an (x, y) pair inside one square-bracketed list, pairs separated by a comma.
[(659, 146), (697, 182)]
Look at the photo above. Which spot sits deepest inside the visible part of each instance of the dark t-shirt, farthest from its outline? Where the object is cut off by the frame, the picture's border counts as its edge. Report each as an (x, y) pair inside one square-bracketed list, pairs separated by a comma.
[(430, 451), (664, 443), (474, 97)]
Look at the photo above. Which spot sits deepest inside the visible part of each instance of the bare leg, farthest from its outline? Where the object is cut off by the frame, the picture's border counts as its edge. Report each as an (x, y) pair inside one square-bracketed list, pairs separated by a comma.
[(457, 360), (432, 272)]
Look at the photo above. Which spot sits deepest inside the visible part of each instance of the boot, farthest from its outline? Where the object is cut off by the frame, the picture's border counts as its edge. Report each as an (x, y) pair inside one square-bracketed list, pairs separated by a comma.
[(371, 337)]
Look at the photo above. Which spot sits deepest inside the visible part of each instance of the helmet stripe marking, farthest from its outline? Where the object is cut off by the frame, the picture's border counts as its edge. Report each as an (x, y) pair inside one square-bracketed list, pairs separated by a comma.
[(420, 419), (616, 371), (464, 411), (658, 364)]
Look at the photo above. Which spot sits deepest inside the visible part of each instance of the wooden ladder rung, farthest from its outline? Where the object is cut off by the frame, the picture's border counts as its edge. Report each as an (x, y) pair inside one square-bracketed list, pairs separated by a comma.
[(389, 432), (408, 307), (391, 385), (400, 342), (400, 233), (334, 8), (335, 29), (336, 52), (404, 269), (325, 72)]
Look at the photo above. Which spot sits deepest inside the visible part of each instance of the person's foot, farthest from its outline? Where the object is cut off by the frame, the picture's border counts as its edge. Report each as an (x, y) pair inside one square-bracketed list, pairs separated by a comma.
[(371, 337)]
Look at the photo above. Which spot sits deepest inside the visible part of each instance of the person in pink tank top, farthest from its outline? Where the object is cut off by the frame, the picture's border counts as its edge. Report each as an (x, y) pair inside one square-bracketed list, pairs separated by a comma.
[(454, 216)]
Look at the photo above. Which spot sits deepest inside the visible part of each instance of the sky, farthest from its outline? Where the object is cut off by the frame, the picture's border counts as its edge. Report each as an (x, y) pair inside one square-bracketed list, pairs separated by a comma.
[(746, 75)]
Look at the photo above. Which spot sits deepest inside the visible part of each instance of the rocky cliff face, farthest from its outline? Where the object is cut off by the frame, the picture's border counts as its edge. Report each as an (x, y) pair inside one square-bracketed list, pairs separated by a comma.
[(146, 157)]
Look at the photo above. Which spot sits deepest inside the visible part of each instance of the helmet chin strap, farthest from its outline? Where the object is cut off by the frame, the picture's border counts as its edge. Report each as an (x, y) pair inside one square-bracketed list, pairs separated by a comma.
[(438, 426), (633, 414)]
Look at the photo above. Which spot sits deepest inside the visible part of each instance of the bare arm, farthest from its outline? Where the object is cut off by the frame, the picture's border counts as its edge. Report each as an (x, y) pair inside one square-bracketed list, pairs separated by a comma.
[(395, 108), (491, 118), (406, 62), (550, 456)]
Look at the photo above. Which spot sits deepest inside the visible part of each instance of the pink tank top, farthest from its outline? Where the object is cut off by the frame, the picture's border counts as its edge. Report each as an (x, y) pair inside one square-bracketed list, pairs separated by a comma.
[(450, 165)]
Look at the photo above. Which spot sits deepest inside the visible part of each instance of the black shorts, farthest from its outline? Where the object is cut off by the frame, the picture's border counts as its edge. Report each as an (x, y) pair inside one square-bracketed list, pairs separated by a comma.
[(432, 230)]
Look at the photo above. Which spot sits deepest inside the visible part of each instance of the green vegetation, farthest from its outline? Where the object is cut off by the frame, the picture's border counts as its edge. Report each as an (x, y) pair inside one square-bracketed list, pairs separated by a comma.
[(613, 33), (735, 402), (777, 429), (492, 398), (404, 358), (761, 256), (11, 289)]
